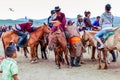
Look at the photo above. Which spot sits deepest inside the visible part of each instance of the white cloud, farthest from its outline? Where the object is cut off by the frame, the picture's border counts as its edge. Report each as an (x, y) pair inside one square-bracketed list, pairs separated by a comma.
[(41, 8)]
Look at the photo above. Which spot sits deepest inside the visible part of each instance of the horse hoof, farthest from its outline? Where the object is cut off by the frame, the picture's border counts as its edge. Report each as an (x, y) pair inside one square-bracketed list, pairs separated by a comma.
[(99, 68), (36, 61), (93, 59), (32, 62), (105, 67)]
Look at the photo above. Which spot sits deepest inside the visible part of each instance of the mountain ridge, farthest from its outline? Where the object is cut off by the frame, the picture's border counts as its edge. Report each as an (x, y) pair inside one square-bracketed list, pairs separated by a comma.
[(40, 21)]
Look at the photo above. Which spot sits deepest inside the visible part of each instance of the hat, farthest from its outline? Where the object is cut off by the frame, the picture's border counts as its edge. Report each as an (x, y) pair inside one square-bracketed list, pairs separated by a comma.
[(10, 49), (30, 20), (108, 6), (57, 8), (52, 11), (79, 16)]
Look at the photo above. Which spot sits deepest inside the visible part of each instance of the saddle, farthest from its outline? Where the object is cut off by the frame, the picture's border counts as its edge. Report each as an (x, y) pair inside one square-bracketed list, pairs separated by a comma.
[(23, 38), (105, 37)]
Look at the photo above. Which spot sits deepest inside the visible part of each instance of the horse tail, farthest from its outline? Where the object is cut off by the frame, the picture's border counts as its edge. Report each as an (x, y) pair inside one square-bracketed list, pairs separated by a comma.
[(2, 37)]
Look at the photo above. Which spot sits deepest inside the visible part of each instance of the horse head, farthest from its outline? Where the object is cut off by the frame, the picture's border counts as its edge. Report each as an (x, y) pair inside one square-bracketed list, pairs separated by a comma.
[(46, 28), (85, 37), (52, 40)]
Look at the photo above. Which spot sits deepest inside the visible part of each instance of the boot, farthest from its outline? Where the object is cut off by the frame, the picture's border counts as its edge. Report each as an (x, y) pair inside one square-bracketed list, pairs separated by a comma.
[(19, 41), (113, 56), (72, 61), (77, 62)]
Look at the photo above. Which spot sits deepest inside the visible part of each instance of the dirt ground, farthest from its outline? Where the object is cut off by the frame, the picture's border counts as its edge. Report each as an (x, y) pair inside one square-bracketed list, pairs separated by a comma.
[(47, 70)]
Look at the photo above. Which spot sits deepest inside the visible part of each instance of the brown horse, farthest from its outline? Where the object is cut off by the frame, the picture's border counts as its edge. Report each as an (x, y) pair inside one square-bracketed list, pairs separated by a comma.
[(57, 42), (32, 41)]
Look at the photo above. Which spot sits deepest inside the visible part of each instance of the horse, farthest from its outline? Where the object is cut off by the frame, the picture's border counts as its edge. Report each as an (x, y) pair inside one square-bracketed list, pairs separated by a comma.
[(57, 42), (88, 40), (32, 41), (112, 43)]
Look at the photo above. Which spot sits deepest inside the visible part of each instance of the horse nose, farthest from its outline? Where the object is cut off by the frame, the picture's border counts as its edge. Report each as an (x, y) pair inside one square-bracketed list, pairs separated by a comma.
[(49, 47)]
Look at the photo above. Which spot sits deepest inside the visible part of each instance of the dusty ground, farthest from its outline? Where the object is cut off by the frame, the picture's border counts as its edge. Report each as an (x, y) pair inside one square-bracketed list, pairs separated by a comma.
[(47, 70)]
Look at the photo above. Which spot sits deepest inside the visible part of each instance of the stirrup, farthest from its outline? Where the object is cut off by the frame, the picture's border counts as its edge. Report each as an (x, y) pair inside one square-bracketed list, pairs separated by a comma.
[(101, 47)]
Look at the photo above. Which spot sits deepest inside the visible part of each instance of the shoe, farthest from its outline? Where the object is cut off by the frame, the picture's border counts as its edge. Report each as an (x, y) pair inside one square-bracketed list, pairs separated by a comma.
[(113, 60), (72, 61), (77, 62), (101, 47)]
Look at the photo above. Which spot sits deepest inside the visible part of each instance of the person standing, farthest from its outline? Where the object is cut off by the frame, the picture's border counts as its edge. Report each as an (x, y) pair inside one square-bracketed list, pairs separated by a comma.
[(75, 48), (8, 66)]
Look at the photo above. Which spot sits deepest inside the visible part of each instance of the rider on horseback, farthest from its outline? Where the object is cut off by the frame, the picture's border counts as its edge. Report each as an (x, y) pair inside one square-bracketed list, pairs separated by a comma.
[(106, 23), (21, 30)]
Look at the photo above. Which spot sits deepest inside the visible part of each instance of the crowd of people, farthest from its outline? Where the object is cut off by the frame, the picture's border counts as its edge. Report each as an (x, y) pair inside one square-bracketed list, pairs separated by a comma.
[(57, 20)]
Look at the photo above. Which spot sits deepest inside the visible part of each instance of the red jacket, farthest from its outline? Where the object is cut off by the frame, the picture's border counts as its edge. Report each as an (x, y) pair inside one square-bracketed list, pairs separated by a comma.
[(26, 27)]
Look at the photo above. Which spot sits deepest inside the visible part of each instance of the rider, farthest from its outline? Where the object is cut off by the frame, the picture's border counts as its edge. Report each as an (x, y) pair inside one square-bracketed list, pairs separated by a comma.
[(80, 24), (106, 23), (21, 30), (51, 17), (88, 25), (60, 19), (96, 23)]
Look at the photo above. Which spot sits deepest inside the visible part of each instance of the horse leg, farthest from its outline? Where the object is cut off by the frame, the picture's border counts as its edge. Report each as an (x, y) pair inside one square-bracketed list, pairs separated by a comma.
[(31, 52), (45, 56), (66, 57), (25, 52), (93, 53), (37, 52), (58, 60), (55, 57), (105, 58), (42, 54), (99, 58)]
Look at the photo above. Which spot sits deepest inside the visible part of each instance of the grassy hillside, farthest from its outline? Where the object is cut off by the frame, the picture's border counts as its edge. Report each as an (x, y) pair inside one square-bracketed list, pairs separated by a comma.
[(41, 21)]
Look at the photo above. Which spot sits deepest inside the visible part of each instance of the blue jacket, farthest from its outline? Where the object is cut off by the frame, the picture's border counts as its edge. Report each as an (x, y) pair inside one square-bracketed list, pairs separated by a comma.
[(50, 24), (96, 23)]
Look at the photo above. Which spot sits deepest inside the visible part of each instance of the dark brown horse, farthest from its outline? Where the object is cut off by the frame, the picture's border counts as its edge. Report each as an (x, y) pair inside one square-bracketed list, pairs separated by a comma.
[(57, 42), (32, 41)]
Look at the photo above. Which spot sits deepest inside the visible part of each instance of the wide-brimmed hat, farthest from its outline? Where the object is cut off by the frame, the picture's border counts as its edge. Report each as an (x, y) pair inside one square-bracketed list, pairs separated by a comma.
[(57, 8), (10, 49)]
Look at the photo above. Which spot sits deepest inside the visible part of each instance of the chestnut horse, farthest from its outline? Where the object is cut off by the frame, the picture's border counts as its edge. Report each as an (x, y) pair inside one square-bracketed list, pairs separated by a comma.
[(32, 41), (57, 42)]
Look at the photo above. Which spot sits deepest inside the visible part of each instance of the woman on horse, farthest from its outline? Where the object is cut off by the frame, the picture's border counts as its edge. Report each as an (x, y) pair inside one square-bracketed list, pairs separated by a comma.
[(106, 23)]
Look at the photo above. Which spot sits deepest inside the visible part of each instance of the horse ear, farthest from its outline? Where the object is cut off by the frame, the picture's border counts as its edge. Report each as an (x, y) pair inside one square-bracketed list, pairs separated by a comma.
[(45, 24)]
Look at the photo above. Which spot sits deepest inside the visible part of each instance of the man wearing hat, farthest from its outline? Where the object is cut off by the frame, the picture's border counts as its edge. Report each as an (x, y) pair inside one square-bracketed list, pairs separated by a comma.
[(60, 18), (80, 24), (8, 66), (106, 23)]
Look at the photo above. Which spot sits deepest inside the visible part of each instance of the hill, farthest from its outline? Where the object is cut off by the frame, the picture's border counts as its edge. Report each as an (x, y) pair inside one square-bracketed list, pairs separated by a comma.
[(38, 22)]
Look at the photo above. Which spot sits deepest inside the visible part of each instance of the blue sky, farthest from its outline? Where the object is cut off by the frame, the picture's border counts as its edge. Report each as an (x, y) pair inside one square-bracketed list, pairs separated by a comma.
[(39, 9)]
